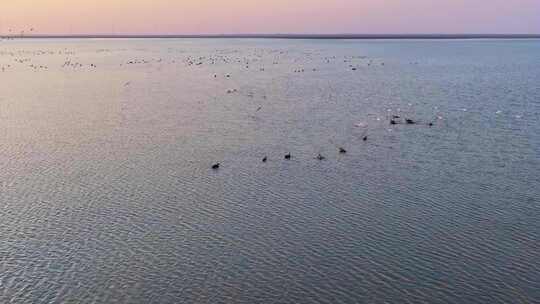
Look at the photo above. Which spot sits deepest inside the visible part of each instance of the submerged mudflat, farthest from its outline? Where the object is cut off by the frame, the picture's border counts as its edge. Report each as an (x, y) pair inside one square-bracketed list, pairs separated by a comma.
[(107, 192)]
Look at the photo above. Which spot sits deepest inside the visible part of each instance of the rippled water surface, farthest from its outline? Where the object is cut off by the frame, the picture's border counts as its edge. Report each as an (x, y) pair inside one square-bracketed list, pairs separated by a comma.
[(107, 195)]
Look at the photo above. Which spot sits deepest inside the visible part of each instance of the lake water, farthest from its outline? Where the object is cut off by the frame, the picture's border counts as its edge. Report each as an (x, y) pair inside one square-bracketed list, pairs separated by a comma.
[(107, 193)]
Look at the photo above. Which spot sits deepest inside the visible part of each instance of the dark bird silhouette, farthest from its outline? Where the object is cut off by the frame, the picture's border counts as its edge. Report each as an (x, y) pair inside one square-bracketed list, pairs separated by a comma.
[(288, 156), (430, 124), (215, 166), (365, 138), (393, 122), (320, 157), (342, 150), (410, 121), (264, 159)]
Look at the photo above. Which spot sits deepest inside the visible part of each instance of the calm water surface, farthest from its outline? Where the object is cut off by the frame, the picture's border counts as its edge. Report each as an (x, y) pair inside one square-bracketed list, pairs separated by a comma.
[(107, 196)]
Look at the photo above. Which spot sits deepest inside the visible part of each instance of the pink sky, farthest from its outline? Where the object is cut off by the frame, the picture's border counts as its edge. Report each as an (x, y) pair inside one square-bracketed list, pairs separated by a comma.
[(270, 16)]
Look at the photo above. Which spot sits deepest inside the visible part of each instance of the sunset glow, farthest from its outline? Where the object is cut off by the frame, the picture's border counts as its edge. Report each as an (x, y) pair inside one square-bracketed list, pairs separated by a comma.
[(276, 16)]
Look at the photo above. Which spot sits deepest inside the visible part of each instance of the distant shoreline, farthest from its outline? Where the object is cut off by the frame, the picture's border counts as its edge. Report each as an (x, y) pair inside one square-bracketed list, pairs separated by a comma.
[(287, 36)]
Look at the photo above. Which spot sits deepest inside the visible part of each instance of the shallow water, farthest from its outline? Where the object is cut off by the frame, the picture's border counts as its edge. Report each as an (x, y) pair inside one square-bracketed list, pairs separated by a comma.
[(107, 195)]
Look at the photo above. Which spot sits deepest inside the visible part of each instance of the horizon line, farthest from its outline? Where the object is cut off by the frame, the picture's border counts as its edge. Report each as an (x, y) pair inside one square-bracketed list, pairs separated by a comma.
[(282, 36)]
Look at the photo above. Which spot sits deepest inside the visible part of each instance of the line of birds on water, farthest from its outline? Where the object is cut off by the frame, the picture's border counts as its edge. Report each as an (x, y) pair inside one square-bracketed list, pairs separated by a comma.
[(341, 150), (288, 156), (395, 120)]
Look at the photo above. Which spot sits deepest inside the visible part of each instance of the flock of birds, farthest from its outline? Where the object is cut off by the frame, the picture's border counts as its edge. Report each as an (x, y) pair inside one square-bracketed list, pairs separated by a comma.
[(393, 121), (255, 59), (13, 34), (24, 57), (288, 156)]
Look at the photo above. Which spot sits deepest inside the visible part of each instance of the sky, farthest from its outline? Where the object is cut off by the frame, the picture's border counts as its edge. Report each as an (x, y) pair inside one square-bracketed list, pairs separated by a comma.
[(270, 16)]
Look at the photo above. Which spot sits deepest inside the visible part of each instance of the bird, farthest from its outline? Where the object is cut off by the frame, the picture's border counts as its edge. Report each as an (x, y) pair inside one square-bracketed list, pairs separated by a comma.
[(365, 138), (393, 122), (264, 159), (430, 124), (215, 166), (342, 150), (320, 157), (288, 156), (410, 121)]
